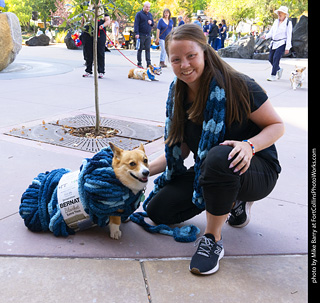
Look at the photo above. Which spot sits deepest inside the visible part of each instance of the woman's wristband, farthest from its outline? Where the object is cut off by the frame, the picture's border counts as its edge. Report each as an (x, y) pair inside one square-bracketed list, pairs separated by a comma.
[(252, 146)]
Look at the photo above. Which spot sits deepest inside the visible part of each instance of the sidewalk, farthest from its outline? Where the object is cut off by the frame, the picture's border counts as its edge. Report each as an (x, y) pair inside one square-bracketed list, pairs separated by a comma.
[(265, 261)]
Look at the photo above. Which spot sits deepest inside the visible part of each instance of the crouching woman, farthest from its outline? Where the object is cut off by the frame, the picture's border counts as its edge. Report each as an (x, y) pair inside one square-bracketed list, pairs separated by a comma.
[(226, 120)]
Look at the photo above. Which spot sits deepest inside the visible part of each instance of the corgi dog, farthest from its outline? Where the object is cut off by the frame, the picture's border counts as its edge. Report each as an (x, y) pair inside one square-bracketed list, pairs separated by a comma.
[(148, 74), (297, 77), (132, 170)]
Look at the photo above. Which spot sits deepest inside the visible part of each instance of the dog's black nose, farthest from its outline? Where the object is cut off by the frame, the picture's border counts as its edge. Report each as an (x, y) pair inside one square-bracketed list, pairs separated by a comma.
[(146, 173)]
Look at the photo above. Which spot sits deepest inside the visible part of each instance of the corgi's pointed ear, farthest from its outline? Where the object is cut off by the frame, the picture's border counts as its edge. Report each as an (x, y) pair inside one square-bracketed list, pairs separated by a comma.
[(141, 147), (303, 69), (117, 151)]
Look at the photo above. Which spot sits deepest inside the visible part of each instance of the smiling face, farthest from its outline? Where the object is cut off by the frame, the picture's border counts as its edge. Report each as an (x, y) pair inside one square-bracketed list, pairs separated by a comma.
[(146, 7), (282, 16), (187, 60), (131, 167)]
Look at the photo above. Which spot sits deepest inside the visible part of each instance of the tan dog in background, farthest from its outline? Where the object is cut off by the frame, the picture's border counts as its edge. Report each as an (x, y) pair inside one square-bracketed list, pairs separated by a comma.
[(148, 74), (132, 169), (297, 77)]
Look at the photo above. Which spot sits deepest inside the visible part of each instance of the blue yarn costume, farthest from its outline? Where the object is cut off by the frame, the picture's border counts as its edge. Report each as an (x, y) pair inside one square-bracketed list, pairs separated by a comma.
[(101, 195), (213, 130)]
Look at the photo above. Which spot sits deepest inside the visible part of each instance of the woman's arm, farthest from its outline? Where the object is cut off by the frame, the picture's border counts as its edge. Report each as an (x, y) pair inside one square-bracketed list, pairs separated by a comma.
[(289, 38), (272, 128), (158, 165), (158, 34)]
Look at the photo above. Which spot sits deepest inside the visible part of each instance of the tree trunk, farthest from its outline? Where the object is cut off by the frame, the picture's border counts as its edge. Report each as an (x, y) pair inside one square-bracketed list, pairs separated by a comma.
[(95, 71)]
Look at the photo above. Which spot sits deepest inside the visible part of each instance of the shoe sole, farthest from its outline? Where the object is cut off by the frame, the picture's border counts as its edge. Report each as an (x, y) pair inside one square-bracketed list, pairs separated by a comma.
[(279, 73), (248, 212), (196, 271)]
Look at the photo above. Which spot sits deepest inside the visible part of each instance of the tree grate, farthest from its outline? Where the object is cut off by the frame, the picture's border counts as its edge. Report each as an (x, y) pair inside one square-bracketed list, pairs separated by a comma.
[(129, 136)]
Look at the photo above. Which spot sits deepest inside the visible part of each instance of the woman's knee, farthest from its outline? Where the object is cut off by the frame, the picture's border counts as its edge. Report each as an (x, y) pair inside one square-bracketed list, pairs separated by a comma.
[(217, 160)]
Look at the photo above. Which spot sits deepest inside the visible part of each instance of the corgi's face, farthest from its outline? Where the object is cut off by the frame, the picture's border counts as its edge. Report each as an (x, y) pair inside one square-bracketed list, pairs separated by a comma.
[(155, 70), (299, 71), (131, 167)]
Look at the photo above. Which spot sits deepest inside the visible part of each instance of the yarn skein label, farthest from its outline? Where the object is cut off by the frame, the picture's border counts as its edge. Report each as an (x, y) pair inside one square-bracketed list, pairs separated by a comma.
[(69, 202)]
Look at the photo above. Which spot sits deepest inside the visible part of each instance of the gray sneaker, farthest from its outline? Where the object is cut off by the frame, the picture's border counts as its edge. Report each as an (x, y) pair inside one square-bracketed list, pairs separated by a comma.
[(279, 73)]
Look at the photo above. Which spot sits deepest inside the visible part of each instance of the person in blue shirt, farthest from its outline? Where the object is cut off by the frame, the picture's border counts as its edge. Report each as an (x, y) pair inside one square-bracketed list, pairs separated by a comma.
[(223, 32), (198, 21), (181, 22), (142, 27), (206, 28), (164, 27)]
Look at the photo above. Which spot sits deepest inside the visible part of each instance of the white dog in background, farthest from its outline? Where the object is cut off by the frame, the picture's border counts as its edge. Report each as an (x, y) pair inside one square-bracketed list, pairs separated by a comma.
[(297, 77)]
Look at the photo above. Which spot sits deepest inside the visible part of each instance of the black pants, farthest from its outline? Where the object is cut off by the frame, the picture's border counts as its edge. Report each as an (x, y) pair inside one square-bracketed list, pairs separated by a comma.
[(221, 187), (211, 40), (87, 41), (145, 44)]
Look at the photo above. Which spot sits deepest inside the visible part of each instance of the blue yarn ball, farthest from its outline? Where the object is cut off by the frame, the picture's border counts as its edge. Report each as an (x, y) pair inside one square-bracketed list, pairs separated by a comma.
[(101, 195)]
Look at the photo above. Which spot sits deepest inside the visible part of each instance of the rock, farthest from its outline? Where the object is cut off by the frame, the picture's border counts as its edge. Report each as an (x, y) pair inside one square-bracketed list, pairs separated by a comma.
[(70, 42), (261, 48), (243, 48), (262, 45), (10, 38), (42, 40), (300, 38), (261, 56)]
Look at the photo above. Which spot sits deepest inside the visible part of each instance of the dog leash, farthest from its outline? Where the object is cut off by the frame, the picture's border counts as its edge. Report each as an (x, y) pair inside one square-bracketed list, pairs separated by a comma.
[(119, 50)]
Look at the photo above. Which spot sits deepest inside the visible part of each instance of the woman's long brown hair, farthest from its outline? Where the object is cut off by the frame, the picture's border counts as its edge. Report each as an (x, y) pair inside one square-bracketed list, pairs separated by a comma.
[(233, 82)]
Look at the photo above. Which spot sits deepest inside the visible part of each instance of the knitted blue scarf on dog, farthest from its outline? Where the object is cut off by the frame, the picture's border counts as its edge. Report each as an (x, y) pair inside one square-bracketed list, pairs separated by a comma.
[(101, 195), (213, 130)]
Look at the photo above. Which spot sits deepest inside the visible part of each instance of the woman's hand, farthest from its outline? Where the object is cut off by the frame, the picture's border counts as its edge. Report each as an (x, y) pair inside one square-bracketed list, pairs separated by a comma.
[(243, 153)]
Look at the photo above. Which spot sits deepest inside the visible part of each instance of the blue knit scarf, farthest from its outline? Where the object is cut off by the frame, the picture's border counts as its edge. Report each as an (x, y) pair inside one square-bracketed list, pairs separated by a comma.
[(213, 130), (101, 195)]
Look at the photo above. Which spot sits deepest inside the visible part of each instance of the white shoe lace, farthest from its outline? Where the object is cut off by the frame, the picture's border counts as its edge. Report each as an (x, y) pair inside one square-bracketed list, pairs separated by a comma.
[(205, 246)]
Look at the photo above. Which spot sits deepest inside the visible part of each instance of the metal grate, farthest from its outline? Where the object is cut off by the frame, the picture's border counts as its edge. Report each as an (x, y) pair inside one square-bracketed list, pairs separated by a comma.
[(129, 136)]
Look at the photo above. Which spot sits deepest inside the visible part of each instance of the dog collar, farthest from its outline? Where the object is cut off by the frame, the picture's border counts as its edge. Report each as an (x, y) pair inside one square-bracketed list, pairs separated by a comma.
[(150, 75)]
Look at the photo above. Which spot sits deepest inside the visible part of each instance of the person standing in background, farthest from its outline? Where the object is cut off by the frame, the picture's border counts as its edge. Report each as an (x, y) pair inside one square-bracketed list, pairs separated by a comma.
[(87, 41), (164, 27), (281, 35), (198, 21), (115, 33), (142, 27), (223, 32), (205, 28), (181, 22), (213, 32)]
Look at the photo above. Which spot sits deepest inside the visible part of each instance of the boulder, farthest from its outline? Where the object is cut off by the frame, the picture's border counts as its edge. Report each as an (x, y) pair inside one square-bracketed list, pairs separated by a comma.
[(10, 38), (41, 40), (261, 48), (300, 38), (69, 41), (243, 48)]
